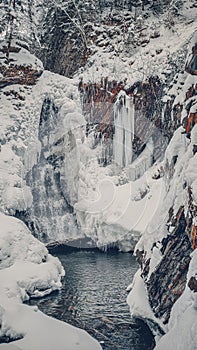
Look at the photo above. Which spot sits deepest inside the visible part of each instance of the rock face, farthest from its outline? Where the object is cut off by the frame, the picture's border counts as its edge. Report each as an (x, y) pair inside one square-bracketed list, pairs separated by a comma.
[(166, 250), (152, 117), (65, 52), (65, 36), (168, 281)]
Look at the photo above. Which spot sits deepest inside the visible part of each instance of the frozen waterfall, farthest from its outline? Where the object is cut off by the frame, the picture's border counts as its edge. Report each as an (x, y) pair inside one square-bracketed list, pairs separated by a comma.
[(124, 130)]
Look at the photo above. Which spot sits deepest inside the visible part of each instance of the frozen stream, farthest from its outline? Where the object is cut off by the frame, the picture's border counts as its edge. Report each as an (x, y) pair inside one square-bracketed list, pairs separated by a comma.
[(93, 297)]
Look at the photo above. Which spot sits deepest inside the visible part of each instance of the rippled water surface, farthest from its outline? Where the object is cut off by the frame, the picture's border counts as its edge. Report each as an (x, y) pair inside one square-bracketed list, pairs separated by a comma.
[(93, 297)]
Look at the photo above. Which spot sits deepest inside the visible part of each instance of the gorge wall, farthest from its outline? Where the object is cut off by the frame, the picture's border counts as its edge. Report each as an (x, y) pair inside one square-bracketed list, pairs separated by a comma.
[(54, 159)]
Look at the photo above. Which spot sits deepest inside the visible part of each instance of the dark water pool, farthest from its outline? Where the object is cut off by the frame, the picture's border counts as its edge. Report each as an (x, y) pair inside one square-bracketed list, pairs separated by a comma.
[(93, 297)]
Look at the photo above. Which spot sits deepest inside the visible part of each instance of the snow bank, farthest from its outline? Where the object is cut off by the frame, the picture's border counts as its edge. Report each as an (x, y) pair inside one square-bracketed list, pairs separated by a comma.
[(44, 333), (138, 299), (139, 304), (27, 270), (15, 195)]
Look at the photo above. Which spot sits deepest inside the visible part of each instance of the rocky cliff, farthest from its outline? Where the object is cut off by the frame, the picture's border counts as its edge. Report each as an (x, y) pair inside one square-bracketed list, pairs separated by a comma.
[(55, 161), (167, 249)]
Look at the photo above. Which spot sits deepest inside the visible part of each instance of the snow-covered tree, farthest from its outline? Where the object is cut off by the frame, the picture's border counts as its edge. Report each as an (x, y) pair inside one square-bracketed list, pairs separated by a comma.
[(17, 22)]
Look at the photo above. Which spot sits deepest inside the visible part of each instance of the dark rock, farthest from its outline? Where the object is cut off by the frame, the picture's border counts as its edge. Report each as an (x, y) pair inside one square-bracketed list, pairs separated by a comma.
[(194, 149), (192, 284)]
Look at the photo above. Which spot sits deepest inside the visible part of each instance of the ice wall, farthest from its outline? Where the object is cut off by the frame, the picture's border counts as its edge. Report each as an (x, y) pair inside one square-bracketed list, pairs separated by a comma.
[(124, 130), (140, 165)]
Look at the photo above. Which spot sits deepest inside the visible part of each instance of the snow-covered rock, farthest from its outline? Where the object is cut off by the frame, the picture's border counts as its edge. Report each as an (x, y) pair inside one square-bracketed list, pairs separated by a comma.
[(167, 247)]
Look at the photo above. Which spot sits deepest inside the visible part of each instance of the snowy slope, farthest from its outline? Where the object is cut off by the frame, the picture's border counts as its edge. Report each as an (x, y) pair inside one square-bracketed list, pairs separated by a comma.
[(165, 37)]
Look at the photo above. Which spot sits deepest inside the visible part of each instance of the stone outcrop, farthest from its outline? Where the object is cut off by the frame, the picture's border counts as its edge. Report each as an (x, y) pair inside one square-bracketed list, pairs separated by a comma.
[(18, 74)]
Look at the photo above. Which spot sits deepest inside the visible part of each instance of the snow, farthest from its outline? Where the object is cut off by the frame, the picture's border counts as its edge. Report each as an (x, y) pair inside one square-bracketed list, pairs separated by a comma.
[(21, 148), (177, 147), (81, 176), (145, 61), (172, 192), (112, 213), (106, 209), (18, 246), (138, 301), (24, 58), (189, 81), (184, 335), (140, 165), (182, 325), (155, 259), (27, 270), (15, 194), (45, 333)]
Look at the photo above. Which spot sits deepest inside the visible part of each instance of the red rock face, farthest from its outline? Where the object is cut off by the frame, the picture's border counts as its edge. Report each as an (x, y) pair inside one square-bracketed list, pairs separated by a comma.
[(14, 74), (98, 107)]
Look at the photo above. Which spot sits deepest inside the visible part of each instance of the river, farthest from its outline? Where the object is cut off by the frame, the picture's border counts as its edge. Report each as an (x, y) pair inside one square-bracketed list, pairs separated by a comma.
[(93, 297)]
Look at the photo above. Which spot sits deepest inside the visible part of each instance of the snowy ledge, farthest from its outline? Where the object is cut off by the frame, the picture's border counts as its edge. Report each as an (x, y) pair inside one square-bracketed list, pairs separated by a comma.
[(139, 305), (26, 269)]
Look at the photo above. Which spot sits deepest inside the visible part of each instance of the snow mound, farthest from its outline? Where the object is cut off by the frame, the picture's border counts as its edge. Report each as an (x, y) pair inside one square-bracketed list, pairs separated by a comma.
[(27, 270), (26, 261), (15, 194)]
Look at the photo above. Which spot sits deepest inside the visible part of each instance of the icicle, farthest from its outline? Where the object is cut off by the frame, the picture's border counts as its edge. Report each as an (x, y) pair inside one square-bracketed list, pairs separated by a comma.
[(32, 155), (124, 129)]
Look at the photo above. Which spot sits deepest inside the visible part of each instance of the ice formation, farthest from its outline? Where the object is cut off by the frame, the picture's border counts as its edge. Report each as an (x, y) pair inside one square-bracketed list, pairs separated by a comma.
[(123, 130)]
